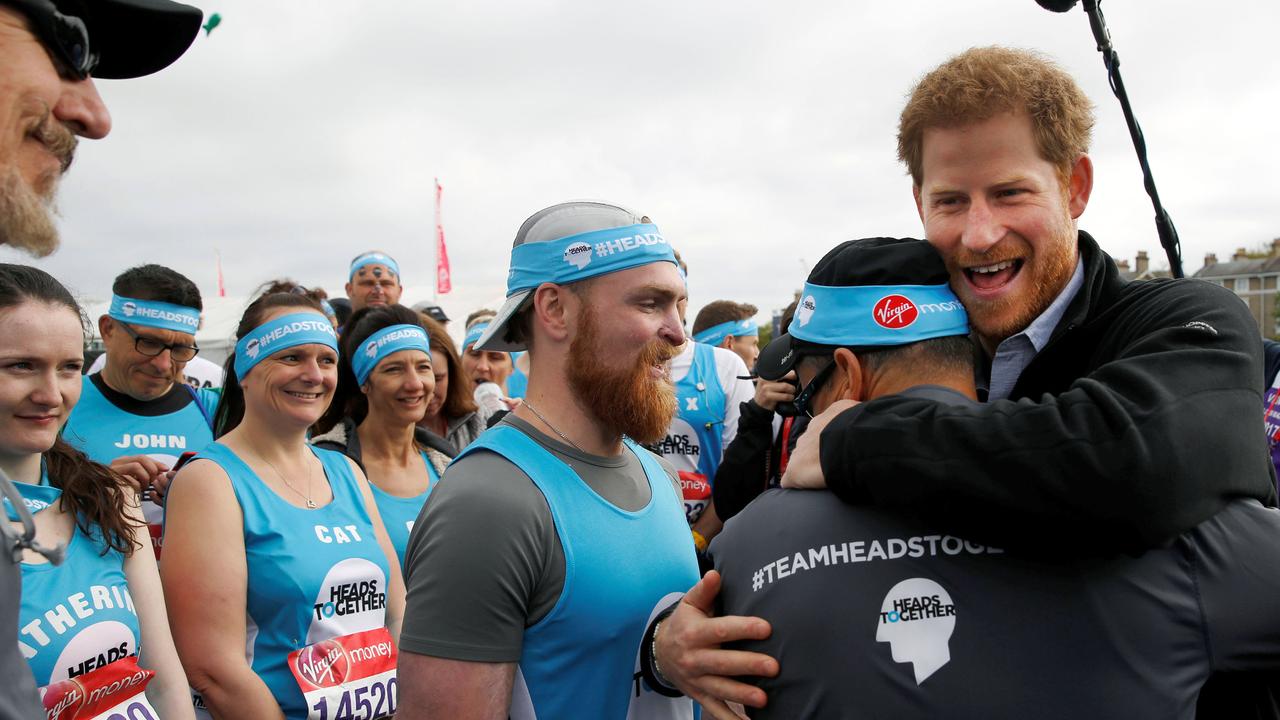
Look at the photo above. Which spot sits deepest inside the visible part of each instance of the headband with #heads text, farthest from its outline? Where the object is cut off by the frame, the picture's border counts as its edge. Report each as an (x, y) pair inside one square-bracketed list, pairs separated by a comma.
[(156, 314), (586, 255), (384, 342), (877, 315), (284, 332)]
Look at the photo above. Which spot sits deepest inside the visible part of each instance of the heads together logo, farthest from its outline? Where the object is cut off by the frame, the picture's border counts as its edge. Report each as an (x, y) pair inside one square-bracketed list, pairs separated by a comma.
[(371, 349), (917, 618), (324, 664), (805, 310), (129, 309), (894, 312), (578, 255), (252, 348)]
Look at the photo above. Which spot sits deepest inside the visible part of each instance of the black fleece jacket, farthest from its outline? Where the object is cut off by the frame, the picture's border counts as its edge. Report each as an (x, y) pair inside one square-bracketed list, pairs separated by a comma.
[(1138, 420)]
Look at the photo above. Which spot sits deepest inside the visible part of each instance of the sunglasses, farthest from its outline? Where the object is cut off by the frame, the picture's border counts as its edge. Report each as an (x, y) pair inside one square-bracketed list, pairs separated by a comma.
[(66, 37), (805, 396)]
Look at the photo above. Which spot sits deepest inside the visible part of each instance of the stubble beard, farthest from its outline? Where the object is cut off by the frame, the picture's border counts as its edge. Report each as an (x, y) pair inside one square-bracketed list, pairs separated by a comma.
[(628, 401), (996, 320), (27, 210)]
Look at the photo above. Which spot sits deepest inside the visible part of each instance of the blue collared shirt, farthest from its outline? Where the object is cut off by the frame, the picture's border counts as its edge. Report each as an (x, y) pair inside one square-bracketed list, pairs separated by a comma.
[(1015, 352)]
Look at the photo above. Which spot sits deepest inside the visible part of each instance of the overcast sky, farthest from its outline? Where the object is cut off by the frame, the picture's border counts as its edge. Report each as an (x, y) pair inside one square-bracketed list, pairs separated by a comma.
[(756, 134)]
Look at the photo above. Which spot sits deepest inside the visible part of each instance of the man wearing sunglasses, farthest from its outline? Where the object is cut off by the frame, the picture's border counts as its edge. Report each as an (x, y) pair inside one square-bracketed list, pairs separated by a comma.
[(51, 51), (138, 414)]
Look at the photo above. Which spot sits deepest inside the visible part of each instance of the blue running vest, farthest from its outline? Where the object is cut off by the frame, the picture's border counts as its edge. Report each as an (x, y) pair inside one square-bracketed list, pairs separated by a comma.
[(77, 616), (104, 432), (517, 382), (399, 513), (695, 440), (313, 574), (621, 569)]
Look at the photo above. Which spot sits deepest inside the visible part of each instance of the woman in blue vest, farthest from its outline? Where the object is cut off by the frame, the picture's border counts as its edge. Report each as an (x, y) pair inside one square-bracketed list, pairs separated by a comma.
[(385, 382), (103, 603), (274, 549)]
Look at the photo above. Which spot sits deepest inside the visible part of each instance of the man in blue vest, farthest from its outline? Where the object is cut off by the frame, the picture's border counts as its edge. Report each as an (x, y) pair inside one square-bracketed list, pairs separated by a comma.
[(552, 542), (138, 415)]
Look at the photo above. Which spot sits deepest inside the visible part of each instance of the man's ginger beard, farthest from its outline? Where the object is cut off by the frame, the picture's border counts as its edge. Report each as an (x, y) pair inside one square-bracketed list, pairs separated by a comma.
[(26, 211), (627, 401)]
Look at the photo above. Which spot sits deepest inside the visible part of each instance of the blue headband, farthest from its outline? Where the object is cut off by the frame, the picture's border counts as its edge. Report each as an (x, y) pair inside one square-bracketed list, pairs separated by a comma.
[(585, 255), (474, 334), (154, 313), (384, 342), (374, 258), (284, 332), (328, 308), (877, 315), (716, 334)]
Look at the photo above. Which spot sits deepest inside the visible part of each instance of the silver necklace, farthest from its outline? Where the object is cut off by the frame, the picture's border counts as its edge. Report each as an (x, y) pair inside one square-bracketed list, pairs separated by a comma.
[(553, 427), (310, 503)]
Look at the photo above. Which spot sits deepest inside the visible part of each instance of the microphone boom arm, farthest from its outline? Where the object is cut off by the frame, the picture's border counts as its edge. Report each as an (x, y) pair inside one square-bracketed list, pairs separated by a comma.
[(1164, 224)]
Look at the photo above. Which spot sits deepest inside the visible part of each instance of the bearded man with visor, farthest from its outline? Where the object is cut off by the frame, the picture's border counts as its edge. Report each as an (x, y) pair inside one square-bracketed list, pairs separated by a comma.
[(554, 539)]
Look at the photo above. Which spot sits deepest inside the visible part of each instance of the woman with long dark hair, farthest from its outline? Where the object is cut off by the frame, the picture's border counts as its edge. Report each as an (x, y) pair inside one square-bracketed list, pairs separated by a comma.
[(102, 606), (452, 413), (385, 382), (276, 560)]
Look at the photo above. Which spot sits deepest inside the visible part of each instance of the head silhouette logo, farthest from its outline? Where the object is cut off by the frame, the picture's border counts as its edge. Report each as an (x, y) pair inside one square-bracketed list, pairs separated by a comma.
[(371, 349), (578, 255), (895, 312), (252, 348), (128, 309), (805, 310), (917, 618)]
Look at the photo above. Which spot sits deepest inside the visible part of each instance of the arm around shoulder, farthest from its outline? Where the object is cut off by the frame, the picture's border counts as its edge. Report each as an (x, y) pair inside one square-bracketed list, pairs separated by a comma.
[(1156, 433)]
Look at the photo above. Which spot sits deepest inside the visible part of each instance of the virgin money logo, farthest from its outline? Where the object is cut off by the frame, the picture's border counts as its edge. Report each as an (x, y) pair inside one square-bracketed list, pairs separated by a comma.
[(895, 312), (63, 699), (323, 664)]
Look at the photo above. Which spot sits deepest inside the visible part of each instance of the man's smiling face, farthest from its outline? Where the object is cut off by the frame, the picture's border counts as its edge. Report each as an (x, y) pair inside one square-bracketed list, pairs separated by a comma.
[(1002, 219)]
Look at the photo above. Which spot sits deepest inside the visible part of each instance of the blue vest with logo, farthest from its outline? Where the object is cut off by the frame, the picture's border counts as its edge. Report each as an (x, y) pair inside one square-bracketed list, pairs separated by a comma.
[(621, 569), (702, 401), (105, 432), (399, 513), (313, 574), (77, 616)]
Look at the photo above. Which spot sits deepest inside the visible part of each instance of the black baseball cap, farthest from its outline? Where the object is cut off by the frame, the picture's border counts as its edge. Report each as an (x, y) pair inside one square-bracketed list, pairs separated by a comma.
[(893, 270), (433, 311), (112, 39)]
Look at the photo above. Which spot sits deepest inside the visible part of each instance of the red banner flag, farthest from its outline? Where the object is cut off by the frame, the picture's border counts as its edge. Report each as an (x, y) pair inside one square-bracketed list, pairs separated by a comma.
[(222, 289), (443, 283)]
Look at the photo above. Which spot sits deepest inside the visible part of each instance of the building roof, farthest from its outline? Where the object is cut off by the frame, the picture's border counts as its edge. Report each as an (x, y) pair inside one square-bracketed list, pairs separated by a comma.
[(1254, 266)]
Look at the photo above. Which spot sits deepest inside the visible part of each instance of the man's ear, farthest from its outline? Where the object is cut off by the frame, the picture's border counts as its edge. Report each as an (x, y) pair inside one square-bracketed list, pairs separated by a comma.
[(847, 381), (105, 327), (347, 289), (1080, 186), (554, 310)]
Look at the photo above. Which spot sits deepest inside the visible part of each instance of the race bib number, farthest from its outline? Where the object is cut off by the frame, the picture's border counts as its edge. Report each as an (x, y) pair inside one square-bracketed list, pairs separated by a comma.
[(112, 692), (352, 677), (697, 494)]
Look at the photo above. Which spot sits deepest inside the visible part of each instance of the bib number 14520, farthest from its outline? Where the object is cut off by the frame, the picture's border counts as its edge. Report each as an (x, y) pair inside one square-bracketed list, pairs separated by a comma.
[(352, 677)]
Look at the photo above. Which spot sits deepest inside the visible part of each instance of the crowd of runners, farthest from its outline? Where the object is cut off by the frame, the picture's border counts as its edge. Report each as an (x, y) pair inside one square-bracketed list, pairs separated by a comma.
[(973, 475)]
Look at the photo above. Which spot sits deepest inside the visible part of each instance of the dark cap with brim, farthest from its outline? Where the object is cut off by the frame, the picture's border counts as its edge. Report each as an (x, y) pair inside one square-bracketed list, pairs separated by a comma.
[(135, 37), (869, 293)]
